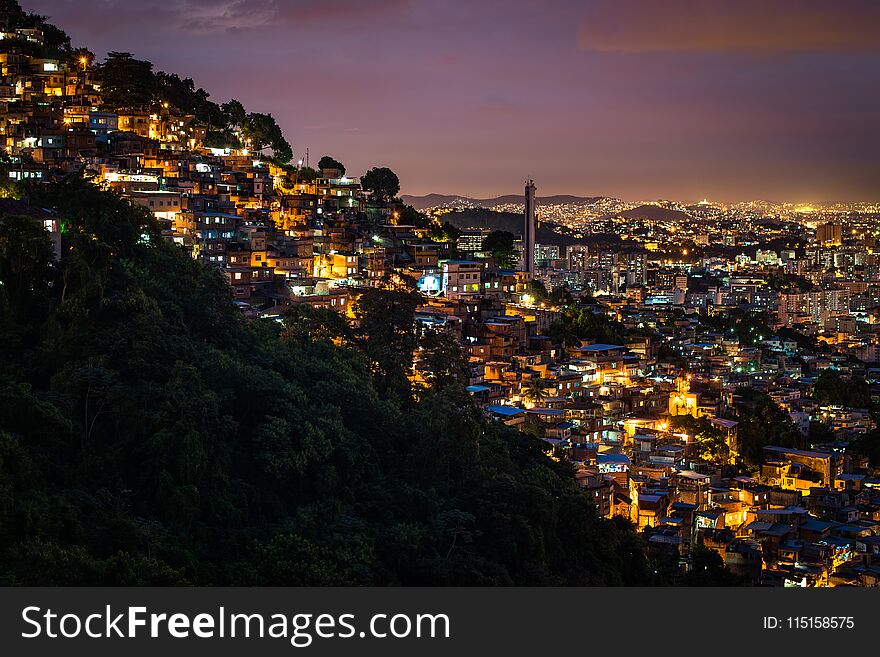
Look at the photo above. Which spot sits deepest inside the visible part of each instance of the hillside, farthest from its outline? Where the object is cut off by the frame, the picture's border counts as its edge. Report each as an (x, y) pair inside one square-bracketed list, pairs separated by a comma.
[(446, 200), (655, 213), (150, 435), (508, 221), (126, 82)]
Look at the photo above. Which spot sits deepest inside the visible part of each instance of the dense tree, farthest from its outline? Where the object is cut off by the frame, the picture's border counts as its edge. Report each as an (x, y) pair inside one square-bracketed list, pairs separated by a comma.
[(304, 324), (443, 359), (502, 245), (381, 183), (386, 329), (184, 95), (126, 81), (328, 162), (263, 131), (12, 16), (222, 139), (8, 187), (561, 296), (819, 433), (81, 58), (708, 569), (409, 216), (56, 41), (582, 323), (869, 445), (789, 283), (306, 175), (831, 389), (234, 114), (538, 291), (444, 233), (762, 422), (26, 267), (710, 442)]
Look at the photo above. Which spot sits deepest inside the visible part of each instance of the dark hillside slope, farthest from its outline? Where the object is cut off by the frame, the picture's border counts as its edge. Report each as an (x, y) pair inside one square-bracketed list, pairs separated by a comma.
[(150, 435)]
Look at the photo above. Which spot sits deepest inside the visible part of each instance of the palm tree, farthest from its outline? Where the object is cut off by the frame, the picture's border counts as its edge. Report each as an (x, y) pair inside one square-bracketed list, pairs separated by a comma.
[(535, 391)]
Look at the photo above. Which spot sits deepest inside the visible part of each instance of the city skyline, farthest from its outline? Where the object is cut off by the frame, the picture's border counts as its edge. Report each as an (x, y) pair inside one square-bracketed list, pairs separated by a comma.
[(628, 99)]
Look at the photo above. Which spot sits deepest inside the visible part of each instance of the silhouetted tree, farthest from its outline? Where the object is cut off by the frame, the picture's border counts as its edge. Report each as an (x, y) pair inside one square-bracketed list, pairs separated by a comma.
[(126, 81), (501, 244), (328, 162), (381, 183), (263, 132)]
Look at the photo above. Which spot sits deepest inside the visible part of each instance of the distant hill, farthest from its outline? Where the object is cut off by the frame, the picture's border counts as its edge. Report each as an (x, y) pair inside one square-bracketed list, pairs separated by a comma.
[(655, 213), (439, 200), (509, 221)]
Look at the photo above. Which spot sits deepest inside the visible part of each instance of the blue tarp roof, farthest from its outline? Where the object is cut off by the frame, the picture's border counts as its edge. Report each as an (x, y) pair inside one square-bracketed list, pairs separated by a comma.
[(504, 410), (613, 458), (601, 347)]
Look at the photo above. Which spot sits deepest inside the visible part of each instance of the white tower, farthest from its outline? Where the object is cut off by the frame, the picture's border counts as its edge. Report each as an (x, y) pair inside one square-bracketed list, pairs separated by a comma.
[(531, 227)]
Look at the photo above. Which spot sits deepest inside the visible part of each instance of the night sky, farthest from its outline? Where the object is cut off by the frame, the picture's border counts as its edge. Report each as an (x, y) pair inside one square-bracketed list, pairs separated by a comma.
[(679, 99)]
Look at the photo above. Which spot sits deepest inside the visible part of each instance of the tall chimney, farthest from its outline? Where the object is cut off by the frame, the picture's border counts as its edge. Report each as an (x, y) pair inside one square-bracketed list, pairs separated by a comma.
[(531, 227)]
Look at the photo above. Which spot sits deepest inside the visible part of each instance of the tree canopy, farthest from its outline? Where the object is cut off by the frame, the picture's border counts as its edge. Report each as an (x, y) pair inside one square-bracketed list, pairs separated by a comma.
[(580, 322), (762, 422), (711, 445), (12, 16), (56, 42), (444, 233), (831, 389), (409, 216), (381, 183), (306, 175), (263, 131), (502, 245), (126, 81), (708, 569), (328, 162)]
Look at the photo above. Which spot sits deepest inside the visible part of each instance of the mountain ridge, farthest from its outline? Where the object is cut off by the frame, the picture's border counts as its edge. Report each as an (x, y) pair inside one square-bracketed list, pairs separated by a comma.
[(436, 200)]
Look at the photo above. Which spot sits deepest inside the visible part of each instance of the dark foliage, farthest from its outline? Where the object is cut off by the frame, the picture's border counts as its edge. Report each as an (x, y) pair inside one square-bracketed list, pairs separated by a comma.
[(381, 183), (56, 42), (762, 422), (586, 322), (409, 216), (708, 569), (832, 389), (328, 162), (502, 245)]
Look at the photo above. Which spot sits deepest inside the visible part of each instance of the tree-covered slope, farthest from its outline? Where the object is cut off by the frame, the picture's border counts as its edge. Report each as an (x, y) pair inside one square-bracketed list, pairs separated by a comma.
[(150, 435)]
